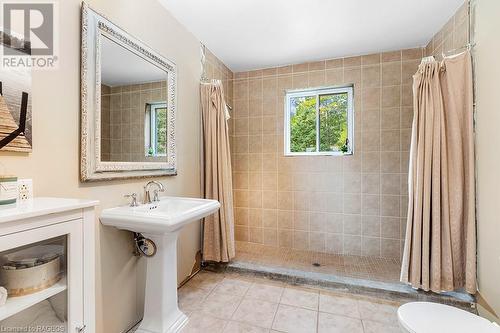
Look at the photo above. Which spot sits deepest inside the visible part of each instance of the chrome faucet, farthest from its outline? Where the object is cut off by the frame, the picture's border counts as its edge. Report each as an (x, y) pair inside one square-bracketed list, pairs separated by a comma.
[(156, 197)]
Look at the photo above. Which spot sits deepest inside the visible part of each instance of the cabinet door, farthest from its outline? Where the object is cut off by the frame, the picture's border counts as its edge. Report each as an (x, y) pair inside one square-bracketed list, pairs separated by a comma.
[(42, 272)]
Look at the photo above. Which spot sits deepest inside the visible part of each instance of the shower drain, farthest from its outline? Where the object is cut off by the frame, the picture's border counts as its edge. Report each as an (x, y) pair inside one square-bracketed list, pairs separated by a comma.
[(316, 264)]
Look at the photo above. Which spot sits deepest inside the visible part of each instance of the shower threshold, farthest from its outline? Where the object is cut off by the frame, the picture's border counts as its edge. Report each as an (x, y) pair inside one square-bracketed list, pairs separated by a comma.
[(377, 277)]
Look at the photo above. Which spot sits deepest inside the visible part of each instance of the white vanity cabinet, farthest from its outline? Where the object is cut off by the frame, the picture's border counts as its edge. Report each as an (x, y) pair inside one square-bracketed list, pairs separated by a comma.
[(47, 264)]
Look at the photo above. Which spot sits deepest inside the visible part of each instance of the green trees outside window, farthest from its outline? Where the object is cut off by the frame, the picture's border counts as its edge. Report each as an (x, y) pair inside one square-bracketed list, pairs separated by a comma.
[(156, 136), (327, 114), (161, 131), (303, 124), (332, 122)]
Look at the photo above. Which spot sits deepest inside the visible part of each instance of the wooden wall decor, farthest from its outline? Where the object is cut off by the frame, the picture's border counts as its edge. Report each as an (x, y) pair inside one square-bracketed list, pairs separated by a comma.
[(15, 109)]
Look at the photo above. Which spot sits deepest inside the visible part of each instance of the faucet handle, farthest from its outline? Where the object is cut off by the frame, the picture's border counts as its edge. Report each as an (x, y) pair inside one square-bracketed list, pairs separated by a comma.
[(156, 196), (160, 188), (133, 203), (147, 196)]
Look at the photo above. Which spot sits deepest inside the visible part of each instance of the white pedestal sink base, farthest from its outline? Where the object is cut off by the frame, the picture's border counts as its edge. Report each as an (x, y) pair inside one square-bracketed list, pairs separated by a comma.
[(161, 313), (177, 326), (161, 222)]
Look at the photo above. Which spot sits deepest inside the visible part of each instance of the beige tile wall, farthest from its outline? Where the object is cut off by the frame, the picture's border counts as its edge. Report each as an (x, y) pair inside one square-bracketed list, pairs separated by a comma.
[(348, 205), (105, 123), (454, 34), (123, 131)]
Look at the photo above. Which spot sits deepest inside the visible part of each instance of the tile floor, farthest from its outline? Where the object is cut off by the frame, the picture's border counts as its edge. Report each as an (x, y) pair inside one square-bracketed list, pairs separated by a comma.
[(232, 303), (368, 268)]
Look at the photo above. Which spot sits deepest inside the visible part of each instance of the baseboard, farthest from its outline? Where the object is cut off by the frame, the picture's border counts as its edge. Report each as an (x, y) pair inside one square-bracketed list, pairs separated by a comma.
[(195, 270), (481, 301)]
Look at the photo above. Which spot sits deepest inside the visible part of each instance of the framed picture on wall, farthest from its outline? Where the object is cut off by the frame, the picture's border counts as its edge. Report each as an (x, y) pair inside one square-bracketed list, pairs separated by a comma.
[(15, 101)]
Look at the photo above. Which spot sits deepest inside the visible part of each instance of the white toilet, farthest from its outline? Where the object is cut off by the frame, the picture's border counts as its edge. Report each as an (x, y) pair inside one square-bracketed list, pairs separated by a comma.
[(426, 317)]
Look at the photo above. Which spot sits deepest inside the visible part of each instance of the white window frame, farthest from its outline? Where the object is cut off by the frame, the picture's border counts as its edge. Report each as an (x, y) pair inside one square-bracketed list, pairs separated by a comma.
[(151, 121), (289, 94)]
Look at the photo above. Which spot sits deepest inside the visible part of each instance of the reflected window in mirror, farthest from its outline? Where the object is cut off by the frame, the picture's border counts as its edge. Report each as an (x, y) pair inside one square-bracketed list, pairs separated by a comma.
[(156, 129), (125, 95), (134, 122)]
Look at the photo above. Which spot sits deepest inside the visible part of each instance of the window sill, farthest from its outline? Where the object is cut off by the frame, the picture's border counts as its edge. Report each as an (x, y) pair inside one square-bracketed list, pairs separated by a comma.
[(326, 153)]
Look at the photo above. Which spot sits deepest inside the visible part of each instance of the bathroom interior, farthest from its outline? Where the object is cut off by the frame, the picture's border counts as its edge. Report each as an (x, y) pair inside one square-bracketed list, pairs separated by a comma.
[(249, 166)]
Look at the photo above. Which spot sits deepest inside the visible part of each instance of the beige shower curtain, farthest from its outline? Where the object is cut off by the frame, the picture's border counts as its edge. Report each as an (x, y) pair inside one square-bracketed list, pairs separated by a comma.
[(218, 232), (440, 245)]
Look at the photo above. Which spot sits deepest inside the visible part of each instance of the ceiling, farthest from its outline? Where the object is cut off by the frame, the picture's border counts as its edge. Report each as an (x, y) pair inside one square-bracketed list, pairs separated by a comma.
[(120, 66), (253, 34)]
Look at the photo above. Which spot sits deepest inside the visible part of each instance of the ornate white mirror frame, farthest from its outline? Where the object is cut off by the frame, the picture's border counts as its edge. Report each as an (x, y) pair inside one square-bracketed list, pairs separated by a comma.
[(92, 168)]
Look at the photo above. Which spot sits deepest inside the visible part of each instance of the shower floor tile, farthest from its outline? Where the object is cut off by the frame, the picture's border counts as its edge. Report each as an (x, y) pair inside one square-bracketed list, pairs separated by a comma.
[(367, 268)]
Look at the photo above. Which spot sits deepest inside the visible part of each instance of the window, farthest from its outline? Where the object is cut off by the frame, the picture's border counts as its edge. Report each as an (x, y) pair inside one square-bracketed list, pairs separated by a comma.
[(319, 121), (156, 129)]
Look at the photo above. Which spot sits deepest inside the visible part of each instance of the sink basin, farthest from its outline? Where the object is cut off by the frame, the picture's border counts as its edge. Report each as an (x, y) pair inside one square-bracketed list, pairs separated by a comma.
[(161, 222), (168, 215)]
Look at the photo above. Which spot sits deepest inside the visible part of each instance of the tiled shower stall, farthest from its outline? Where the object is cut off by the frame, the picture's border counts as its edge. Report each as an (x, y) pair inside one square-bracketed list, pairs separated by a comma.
[(348, 212), (352, 205)]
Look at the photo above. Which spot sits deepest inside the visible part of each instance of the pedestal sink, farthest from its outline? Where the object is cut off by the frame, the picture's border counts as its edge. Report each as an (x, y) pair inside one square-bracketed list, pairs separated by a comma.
[(161, 222)]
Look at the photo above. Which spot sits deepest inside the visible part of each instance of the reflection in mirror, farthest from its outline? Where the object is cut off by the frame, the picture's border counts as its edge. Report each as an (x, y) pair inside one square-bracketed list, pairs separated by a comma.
[(133, 106), (156, 129)]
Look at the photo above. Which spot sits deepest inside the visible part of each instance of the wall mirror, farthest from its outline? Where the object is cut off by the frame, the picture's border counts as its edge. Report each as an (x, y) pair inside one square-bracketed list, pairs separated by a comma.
[(128, 98)]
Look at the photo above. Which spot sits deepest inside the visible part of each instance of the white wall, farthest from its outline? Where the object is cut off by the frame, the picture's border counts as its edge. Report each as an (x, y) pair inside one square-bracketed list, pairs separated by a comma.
[(487, 58), (54, 163)]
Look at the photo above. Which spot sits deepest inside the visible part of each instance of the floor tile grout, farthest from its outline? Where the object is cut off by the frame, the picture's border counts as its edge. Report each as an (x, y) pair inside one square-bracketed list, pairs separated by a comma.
[(248, 284)]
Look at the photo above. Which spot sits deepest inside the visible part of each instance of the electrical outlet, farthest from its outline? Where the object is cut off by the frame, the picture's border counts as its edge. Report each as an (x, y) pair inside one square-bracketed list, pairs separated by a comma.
[(25, 189)]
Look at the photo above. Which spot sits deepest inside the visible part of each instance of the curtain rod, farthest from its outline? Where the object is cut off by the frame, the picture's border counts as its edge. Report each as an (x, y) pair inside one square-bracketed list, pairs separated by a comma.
[(468, 46), (444, 54)]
